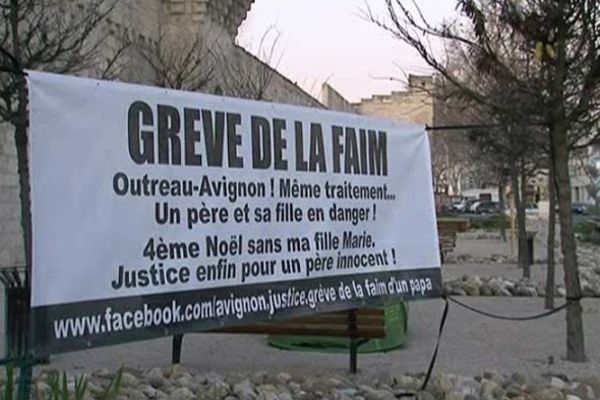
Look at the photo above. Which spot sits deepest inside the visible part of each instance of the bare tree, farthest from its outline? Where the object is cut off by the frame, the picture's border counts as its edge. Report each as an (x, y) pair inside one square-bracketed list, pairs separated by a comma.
[(560, 43), (245, 75), (451, 151), (450, 159), (176, 63), (501, 149), (509, 157)]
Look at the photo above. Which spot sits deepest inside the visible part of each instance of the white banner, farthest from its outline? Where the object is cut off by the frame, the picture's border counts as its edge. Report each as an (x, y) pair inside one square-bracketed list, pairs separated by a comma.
[(141, 191)]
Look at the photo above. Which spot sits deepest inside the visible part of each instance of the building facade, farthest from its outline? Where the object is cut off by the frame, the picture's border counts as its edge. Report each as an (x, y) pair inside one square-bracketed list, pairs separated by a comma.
[(415, 104), (585, 175)]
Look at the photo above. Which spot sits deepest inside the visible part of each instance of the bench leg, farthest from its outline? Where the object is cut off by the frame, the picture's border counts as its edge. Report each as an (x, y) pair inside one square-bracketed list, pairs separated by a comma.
[(177, 342), (353, 356), (353, 340)]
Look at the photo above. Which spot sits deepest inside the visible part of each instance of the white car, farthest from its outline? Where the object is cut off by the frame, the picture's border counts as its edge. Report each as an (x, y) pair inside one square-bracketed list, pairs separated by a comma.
[(473, 207), (531, 209)]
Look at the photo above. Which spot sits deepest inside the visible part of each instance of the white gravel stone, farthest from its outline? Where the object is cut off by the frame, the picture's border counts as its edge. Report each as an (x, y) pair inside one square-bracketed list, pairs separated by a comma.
[(558, 383), (282, 386), (245, 390), (137, 395), (283, 377), (155, 377), (182, 394), (128, 380), (370, 393), (548, 394)]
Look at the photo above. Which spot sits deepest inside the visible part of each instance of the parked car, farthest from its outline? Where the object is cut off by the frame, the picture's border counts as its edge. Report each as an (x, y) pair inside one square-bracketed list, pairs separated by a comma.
[(474, 205), (579, 208), (531, 209), (488, 207), (468, 204), (456, 206), (459, 206)]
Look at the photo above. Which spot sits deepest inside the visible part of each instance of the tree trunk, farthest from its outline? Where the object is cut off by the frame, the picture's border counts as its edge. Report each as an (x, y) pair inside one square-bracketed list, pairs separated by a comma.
[(25, 190), (559, 142), (521, 220), (522, 226), (549, 300), (20, 122), (575, 337), (502, 207), (20, 125)]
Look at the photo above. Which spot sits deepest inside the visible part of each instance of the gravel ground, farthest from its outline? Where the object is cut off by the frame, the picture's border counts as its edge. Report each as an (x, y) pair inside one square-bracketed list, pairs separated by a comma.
[(508, 271), (471, 344)]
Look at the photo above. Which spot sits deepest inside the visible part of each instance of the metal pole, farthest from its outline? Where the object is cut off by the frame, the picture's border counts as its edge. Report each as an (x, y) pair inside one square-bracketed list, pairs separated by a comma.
[(26, 369), (24, 382)]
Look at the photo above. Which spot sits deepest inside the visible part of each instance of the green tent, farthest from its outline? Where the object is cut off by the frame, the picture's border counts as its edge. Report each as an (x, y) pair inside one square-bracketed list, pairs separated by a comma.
[(396, 324)]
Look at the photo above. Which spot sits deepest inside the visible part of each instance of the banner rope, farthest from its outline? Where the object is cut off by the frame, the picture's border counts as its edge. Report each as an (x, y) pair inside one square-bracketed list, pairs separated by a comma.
[(447, 300), (13, 71)]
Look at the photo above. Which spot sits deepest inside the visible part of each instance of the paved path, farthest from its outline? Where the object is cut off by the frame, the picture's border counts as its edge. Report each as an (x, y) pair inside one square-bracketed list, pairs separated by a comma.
[(471, 344)]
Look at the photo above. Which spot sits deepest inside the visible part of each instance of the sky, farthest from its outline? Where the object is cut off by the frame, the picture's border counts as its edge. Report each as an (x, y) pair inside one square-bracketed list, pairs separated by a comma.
[(320, 41)]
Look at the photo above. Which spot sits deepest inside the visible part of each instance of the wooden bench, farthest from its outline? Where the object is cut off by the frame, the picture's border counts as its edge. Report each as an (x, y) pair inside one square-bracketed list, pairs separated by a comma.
[(359, 326), (448, 229)]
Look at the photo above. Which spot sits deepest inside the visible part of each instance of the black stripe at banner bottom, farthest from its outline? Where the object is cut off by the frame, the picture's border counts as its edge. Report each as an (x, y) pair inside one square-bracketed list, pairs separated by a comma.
[(78, 326)]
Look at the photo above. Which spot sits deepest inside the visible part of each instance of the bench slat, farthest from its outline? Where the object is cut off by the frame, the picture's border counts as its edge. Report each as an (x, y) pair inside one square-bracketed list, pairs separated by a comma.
[(340, 319), (305, 330), (366, 311)]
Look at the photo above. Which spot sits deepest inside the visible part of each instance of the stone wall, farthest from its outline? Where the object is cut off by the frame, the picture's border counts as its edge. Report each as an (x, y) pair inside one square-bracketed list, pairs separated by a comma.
[(334, 100), (11, 238), (279, 88), (11, 243)]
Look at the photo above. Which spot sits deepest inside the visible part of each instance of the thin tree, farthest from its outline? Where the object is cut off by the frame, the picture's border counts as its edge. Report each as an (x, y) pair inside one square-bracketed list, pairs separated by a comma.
[(551, 239), (503, 153), (451, 151)]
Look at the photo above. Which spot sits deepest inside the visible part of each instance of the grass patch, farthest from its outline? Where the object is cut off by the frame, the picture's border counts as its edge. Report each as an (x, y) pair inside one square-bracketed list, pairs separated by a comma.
[(59, 387), (491, 223), (588, 232)]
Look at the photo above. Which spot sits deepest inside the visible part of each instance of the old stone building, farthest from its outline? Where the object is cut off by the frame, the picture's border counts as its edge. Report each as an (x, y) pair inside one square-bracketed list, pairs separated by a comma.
[(164, 25), (415, 104)]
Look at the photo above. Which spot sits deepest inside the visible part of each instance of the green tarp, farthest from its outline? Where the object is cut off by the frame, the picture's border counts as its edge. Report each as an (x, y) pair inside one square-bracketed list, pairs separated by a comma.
[(396, 323)]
